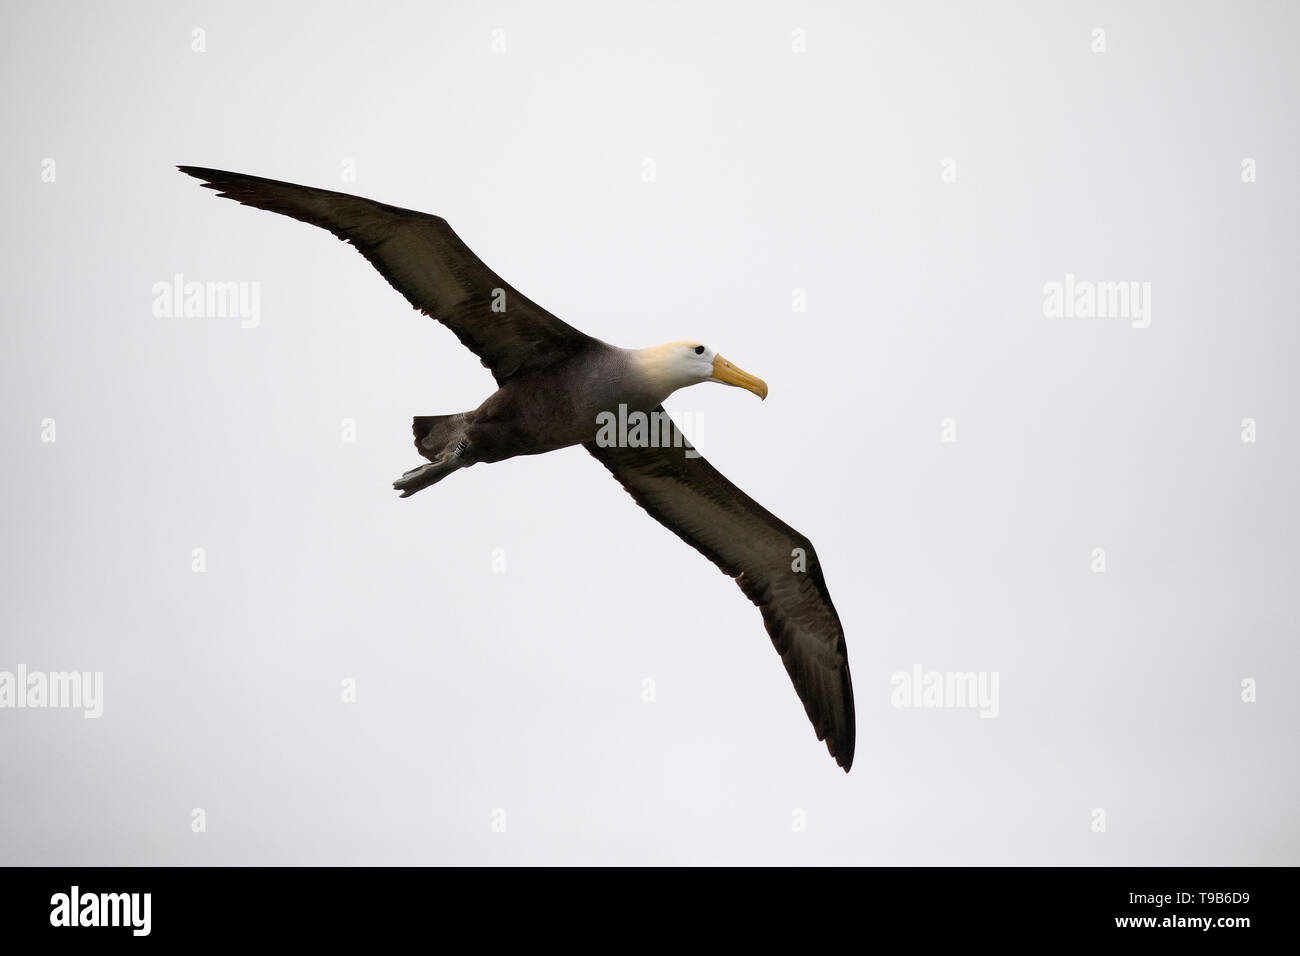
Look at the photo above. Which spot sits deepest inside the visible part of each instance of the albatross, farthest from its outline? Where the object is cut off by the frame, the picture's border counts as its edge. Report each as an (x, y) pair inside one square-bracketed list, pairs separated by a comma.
[(555, 386)]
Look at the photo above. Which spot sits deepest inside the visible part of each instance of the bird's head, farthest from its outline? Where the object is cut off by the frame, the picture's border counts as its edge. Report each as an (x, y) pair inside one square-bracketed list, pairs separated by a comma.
[(679, 364)]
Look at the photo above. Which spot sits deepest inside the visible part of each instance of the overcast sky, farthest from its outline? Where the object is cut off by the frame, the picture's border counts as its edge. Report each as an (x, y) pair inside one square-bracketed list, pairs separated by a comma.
[(876, 208)]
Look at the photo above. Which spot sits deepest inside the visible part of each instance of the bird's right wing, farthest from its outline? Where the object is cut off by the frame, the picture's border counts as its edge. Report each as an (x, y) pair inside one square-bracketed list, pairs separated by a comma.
[(774, 565), (424, 260)]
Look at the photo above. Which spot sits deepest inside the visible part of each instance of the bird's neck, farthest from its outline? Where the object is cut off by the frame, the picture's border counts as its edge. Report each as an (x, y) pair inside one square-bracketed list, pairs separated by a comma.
[(655, 371)]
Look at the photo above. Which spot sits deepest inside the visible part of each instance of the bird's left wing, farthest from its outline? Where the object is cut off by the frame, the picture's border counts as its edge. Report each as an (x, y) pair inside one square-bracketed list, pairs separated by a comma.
[(774, 565), (424, 260)]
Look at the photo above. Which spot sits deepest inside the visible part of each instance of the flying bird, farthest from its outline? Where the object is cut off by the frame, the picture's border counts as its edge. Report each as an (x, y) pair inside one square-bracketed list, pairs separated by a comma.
[(559, 387)]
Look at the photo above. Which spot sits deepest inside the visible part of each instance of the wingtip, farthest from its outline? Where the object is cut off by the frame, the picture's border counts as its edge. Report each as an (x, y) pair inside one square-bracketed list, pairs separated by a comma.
[(845, 760), (206, 177), (842, 741)]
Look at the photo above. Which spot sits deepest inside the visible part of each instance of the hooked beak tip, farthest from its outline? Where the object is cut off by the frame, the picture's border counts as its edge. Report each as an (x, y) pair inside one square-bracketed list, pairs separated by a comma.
[(728, 374)]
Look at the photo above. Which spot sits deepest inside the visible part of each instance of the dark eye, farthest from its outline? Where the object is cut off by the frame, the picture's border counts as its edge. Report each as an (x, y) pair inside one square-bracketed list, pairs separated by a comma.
[(699, 350)]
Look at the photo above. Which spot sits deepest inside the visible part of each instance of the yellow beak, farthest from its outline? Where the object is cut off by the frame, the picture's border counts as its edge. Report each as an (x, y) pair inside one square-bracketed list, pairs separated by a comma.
[(725, 372)]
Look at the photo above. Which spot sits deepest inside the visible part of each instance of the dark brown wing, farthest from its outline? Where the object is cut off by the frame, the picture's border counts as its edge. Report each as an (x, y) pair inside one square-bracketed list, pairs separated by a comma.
[(424, 260), (693, 500)]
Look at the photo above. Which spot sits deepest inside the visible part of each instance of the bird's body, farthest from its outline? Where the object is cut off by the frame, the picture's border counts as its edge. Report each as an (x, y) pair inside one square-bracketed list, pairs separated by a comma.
[(531, 414), (556, 407), (556, 386)]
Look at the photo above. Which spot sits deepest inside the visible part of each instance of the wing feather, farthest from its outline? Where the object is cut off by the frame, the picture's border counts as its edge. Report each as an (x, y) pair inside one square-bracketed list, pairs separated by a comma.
[(693, 500), (422, 258)]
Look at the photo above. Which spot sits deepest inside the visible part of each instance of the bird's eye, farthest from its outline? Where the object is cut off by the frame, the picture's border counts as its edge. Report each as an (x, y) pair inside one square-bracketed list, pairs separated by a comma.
[(699, 350)]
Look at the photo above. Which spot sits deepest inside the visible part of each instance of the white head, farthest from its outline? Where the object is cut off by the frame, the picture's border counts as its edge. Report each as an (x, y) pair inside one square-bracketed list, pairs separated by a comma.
[(678, 364)]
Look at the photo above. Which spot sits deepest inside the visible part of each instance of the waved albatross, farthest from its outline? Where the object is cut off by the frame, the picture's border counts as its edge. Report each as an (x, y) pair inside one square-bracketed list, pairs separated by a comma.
[(556, 386)]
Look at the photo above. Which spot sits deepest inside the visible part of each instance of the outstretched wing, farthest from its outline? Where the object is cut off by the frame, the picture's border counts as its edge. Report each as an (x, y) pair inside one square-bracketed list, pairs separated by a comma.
[(424, 260), (693, 500)]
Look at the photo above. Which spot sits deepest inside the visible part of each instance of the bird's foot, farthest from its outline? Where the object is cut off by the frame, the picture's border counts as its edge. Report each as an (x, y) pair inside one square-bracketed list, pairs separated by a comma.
[(426, 475)]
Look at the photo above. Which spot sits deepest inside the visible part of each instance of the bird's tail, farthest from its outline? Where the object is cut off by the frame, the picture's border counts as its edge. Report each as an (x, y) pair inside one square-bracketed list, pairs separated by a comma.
[(442, 440), (435, 435)]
